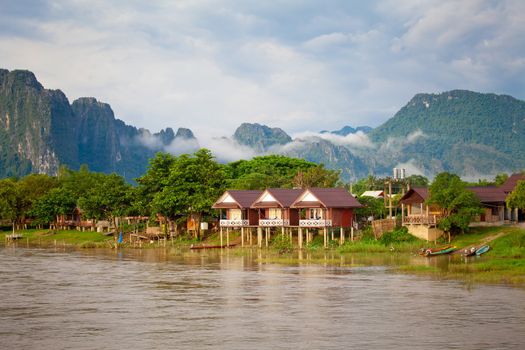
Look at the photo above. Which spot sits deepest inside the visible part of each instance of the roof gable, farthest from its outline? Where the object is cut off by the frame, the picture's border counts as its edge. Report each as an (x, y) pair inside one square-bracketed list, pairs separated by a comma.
[(241, 199), (328, 198), (509, 185), (415, 195)]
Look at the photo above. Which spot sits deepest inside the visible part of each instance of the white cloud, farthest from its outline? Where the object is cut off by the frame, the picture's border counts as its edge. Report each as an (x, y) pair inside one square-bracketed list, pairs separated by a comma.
[(215, 64)]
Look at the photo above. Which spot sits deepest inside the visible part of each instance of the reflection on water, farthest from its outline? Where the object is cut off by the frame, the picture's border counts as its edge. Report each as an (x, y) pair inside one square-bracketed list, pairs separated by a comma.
[(158, 299)]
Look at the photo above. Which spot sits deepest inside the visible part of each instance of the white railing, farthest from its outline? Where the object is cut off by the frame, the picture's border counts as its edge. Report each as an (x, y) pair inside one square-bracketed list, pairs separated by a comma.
[(234, 223), (274, 222), (315, 223), (421, 219)]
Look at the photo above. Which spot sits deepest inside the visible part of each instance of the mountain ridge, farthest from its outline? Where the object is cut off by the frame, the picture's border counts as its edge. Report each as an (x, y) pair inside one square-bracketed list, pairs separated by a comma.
[(459, 131)]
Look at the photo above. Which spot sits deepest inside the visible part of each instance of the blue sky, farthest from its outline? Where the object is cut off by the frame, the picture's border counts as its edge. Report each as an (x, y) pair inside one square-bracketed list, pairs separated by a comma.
[(300, 65)]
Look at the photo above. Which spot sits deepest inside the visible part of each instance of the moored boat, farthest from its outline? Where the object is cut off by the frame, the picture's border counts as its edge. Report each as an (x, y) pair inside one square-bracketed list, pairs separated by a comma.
[(469, 251), (482, 250), (437, 251)]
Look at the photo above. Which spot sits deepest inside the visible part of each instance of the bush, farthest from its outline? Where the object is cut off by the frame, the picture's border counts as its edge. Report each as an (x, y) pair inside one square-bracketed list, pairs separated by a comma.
[(282, 243), (397, 236)]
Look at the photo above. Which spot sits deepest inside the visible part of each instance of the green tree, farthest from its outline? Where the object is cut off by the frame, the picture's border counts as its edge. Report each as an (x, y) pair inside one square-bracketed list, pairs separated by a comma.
[(265, 171), (374, 207), (500, 179), (9, 201), (459, 205), (56, 202), (417, 181), (152, 182), (516, 199), (191, 188), (317, 176), (108, 198)]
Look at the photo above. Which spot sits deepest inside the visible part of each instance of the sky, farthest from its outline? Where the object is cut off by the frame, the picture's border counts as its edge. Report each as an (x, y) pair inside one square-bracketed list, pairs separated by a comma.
[(303, 66)]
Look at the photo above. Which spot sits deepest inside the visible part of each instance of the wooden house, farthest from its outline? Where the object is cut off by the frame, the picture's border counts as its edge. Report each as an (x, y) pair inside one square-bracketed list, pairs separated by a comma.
[(326, 207), (274, 209), (492, 199), (513, 214), (419, 218), (236, 210)]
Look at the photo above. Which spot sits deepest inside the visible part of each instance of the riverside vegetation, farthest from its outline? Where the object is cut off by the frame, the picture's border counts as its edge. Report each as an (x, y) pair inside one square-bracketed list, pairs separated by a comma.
[(504, 263)]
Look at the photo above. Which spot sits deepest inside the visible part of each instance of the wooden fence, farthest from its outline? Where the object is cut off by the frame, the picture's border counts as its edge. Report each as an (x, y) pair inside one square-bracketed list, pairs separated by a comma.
[(381, 226)]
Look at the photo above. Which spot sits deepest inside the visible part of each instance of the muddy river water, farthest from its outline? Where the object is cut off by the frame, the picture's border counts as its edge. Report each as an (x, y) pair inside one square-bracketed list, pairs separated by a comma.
[(166, 299)]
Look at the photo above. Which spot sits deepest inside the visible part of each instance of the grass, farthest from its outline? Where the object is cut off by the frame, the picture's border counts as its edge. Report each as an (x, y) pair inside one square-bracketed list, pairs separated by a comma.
[(504, 263)]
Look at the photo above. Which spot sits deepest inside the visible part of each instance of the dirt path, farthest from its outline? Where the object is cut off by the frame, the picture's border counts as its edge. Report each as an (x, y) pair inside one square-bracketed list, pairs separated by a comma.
[(483, 242)]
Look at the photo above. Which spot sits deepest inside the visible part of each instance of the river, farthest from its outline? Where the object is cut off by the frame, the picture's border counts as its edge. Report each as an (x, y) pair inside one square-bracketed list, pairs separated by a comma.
[(166, 299)]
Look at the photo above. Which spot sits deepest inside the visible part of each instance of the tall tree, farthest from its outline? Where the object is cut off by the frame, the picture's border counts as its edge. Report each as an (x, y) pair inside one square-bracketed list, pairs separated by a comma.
[(459, 205), (317, 176), (107, 199), (194, 183), (50, 206), (516, 199), (9, 201)]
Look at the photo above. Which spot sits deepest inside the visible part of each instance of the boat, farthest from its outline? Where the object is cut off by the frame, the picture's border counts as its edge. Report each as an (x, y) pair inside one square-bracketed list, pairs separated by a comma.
[(469, 251), (482, 250), (437, 251), (212, 246)]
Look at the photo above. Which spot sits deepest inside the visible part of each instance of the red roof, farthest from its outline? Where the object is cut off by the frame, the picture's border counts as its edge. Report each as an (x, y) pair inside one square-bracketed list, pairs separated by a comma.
[(284, 198), (415, 195), (330, 198), (488, 194), (509, 185), (243, 199)]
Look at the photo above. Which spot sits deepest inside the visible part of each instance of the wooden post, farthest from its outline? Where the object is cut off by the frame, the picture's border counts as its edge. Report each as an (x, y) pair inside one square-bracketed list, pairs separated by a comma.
[(516, 214), (227, 237), (352, 233), (341, 236), (259, 237), (402, 214), (333, 238), (390, 197), (220, 233), (325, 237), (307, 238), (300, 237), (266, 236), (242, 236), (290, 232)]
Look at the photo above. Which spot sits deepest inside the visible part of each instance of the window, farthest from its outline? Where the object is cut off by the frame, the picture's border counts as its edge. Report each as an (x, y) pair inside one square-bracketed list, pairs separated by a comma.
[(235, 214), (274, 213), (316, 214)]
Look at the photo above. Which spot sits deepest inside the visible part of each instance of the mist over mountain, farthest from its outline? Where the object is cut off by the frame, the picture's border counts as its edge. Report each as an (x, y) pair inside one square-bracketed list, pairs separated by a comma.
[(40, 130), (468, 133)]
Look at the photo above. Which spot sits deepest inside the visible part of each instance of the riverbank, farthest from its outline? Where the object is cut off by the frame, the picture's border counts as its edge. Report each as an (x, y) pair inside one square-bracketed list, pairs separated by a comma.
[(504, 263)]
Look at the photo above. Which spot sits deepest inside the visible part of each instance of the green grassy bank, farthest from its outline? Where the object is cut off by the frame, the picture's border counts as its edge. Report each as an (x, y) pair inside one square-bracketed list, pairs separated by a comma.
[(504, 263)]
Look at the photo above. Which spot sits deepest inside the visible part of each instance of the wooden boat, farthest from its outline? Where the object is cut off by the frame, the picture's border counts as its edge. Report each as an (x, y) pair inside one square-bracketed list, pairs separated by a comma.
[(212, 246), (437, 251), (469, 251), (482, 250)]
